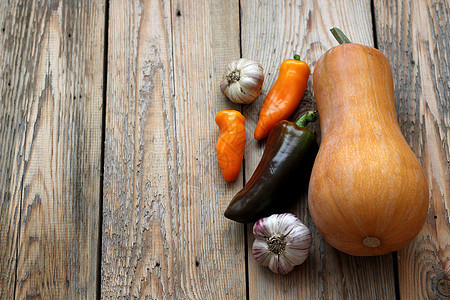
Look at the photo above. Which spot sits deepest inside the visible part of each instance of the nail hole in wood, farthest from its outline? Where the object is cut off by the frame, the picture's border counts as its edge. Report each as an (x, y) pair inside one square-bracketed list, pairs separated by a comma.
[(157, 265), (178, 13), (443, 287), (197, 263)]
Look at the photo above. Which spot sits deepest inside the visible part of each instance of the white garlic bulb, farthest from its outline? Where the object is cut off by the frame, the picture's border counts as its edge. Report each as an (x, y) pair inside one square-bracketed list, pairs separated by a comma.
[(281, 242), (242, 81)]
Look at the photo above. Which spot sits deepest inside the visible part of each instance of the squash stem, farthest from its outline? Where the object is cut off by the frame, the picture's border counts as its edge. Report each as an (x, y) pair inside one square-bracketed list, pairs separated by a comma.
[(340, 36), (296, 57), (309, 116)]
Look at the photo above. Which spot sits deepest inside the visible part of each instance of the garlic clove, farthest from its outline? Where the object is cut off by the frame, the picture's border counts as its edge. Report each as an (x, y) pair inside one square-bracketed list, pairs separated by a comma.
[(295, 255), (235, 93), (261, 252), (299, 236), (280, 265), (298, 243), (246, 87), (244, 63), (287, 223), (261, 229)]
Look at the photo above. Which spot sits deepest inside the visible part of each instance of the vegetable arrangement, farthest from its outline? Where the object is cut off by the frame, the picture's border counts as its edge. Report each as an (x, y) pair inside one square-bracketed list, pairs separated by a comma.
[(367, 194)]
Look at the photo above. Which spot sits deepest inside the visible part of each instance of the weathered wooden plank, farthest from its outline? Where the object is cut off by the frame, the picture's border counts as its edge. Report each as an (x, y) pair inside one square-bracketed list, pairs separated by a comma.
[(50, 142), (164, 234), (414, 36), (271, 32), (12, 115)]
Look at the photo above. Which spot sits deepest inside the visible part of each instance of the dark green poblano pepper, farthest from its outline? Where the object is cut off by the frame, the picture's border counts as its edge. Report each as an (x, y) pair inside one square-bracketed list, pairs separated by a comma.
[(277, 181)]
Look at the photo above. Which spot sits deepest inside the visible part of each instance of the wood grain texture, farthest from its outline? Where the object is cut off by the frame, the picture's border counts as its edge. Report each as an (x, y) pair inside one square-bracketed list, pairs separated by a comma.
[(164, 234), (273, 31), (50, 139), (414, 36)]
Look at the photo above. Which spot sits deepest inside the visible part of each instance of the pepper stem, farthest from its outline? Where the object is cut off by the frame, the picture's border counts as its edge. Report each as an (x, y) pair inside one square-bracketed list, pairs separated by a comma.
[(296, 57), (339, 36), (309, 116)]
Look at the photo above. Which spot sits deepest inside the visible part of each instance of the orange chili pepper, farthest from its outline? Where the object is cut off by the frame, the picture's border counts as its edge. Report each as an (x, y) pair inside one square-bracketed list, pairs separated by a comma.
[(284, 97), (231, 143)]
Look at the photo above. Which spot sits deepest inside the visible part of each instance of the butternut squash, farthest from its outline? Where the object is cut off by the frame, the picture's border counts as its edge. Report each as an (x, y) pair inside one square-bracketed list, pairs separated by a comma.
[(368, 194)]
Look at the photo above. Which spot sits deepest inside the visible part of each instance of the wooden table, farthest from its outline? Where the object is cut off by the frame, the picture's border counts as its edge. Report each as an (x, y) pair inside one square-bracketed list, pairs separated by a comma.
[(109, 183)]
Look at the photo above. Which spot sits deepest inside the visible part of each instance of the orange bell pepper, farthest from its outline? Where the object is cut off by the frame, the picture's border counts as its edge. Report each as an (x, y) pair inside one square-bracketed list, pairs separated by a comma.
[(231, 143), (284, 97)]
